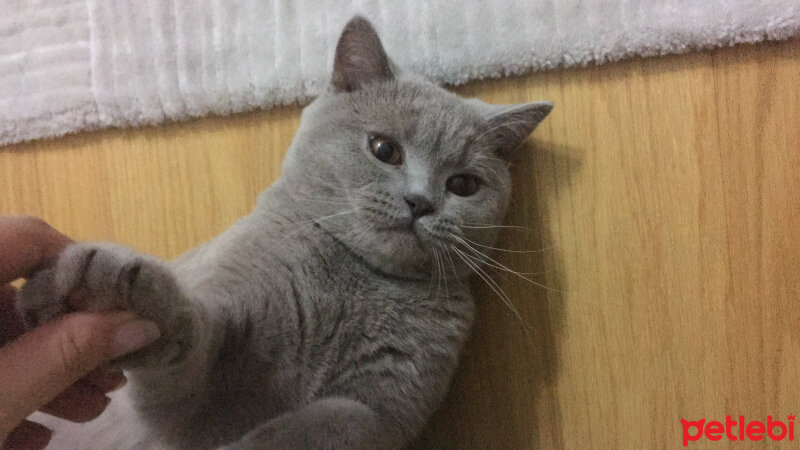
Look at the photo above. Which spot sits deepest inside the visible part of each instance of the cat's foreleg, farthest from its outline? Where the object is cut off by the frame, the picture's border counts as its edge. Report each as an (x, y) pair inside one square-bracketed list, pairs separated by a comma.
[(330, 423), (101, 277)]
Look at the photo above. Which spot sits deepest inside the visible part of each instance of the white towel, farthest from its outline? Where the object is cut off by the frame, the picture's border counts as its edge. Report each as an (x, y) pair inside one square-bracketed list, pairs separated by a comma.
[(68, 65)]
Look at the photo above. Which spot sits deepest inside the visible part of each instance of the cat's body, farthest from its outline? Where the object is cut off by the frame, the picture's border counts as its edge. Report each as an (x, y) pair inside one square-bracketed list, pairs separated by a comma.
[(292, 341), (333, 315)]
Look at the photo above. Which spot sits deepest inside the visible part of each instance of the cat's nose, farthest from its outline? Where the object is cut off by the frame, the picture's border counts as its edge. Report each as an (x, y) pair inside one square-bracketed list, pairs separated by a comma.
[(419, 205)]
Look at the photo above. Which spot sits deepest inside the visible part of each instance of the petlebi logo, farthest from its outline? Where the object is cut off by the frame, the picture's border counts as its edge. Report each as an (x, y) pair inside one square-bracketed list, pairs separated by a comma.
[(738, 430)]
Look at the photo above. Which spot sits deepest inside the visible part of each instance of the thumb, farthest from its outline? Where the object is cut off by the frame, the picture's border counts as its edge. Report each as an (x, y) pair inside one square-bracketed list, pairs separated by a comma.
[(42, 363)]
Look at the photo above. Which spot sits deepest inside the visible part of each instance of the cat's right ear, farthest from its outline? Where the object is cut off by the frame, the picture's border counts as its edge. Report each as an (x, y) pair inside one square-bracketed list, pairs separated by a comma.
[(360, 58)]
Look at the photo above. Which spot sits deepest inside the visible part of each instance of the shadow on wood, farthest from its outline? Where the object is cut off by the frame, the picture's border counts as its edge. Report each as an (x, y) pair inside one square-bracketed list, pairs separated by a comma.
[(509, 367)]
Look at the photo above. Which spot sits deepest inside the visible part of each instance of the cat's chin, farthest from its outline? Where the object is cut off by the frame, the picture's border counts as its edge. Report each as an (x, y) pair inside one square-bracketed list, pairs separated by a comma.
[(413, 238), (410, 253), (397, 251), (410, 234)]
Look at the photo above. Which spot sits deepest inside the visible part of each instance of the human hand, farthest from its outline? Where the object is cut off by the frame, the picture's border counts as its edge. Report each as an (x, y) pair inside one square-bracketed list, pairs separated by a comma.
[(55, 368)]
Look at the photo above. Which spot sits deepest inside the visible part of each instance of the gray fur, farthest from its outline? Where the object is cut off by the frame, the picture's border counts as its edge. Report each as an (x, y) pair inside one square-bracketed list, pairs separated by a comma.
[(328, 317)]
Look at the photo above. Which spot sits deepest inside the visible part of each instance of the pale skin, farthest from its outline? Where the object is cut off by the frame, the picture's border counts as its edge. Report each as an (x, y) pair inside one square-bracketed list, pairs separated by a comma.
[(62, 367)]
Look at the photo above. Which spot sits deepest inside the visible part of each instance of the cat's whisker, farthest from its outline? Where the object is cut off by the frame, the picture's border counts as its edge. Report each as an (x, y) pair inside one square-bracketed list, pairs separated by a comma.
[(480, 226), (330, 216), (502, 267), (330, 202), (303, 224), (439, 273), (367, 227), (432, 294), (327, 184), (339, 197), (444, 277), (442, 271), (352, 209), (322, 198), (494, 286), (450, 260), (488, 261), (541, 250)]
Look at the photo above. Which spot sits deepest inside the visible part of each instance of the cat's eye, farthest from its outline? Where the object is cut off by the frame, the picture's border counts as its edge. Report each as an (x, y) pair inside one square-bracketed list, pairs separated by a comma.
[(463, 185), (386, 150)]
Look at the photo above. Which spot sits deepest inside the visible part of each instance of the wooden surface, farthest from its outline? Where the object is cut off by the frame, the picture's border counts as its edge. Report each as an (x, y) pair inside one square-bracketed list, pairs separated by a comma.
[(665, 191)]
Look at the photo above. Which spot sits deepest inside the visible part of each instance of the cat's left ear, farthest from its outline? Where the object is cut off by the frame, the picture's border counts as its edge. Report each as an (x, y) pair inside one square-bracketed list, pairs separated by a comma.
[(360, 57), (509, 125)]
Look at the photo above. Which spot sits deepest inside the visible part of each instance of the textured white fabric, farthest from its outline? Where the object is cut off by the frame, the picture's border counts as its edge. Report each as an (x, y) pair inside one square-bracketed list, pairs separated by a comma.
[(68, 65)]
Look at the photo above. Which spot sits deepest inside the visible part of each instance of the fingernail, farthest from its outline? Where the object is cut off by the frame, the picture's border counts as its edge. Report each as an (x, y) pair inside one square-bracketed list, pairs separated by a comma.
[(120, 384), (114, 377), (134, 336)]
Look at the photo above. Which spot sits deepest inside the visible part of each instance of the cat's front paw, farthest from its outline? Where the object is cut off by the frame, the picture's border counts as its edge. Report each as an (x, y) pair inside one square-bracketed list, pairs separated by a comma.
[(102, 277)]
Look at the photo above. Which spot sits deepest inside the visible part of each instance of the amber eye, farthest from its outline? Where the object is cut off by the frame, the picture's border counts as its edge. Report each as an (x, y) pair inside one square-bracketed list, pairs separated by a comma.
[(463, 185), (385, 150)]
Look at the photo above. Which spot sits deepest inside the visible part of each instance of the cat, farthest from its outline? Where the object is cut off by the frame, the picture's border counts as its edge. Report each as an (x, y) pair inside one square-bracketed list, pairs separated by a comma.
[(320, 320)]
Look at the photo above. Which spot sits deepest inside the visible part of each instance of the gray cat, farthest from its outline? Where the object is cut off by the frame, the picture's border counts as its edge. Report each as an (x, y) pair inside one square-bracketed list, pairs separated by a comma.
[(333, 315)]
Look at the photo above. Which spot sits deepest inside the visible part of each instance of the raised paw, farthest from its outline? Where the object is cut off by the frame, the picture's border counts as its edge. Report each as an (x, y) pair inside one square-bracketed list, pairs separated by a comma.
[(102, 277)]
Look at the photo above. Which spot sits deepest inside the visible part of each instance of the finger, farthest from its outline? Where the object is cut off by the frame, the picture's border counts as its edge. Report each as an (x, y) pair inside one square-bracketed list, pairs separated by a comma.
[(11, 324), (81, 402), (107, 379), (28, 436), (42, 363), (85, 400), (27, 244)]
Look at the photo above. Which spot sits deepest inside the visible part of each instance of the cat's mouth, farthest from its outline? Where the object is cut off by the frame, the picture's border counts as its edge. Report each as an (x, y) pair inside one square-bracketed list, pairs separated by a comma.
[(406, 227), (411, 229)]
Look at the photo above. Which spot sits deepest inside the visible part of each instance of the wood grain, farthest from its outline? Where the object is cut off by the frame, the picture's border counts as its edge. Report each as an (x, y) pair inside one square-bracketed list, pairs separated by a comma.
[(664, 195)]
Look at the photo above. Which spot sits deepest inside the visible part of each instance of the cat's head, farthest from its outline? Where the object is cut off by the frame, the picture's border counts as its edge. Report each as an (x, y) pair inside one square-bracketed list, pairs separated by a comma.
[(399, 169)]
